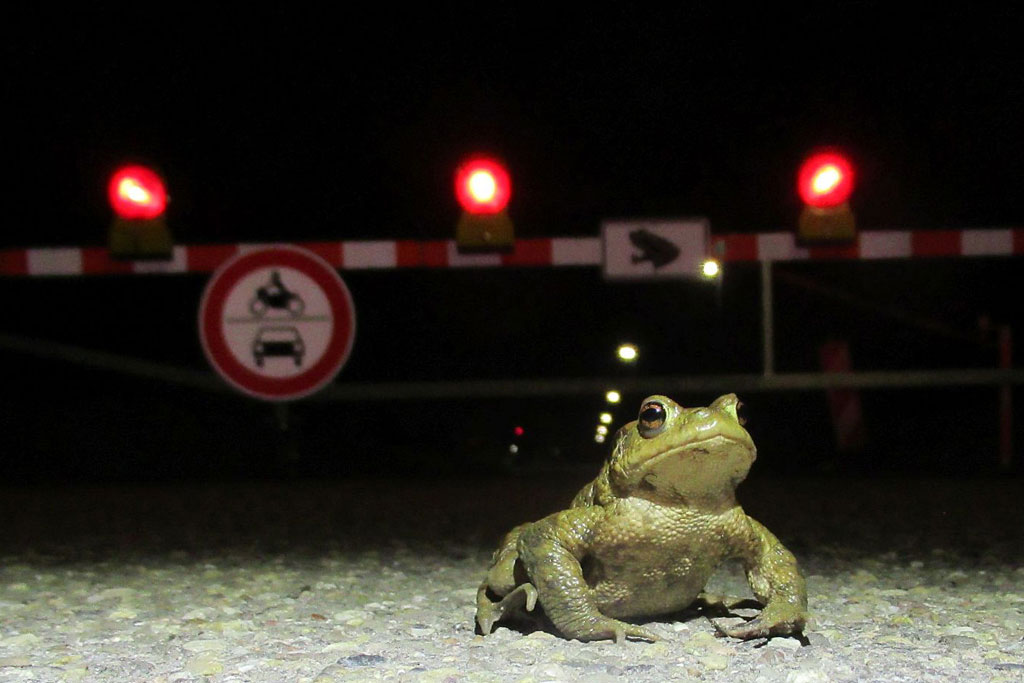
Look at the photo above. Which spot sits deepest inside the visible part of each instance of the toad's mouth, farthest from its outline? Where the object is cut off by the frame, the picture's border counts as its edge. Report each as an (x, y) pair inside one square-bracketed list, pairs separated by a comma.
[(716, 444), (699, 468)]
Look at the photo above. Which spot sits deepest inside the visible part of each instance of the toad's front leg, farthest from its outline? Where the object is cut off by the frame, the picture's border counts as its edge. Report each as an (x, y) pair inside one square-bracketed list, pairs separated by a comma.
[(776, 581), (551, 550)]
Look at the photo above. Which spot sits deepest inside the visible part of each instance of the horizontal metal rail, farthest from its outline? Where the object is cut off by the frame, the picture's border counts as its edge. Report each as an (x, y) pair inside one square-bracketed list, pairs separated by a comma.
[(747, 383), (102, 360), (522, 388)]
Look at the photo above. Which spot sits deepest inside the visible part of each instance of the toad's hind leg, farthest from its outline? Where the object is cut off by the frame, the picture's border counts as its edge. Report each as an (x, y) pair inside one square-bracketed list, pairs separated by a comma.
[(517, 603), (506, 591)]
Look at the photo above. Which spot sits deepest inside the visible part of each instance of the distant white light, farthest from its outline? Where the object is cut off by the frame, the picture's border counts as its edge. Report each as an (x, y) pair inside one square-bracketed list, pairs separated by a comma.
[(599, 438), (627, 353), (606, 418), (602, 430), (513, 449), (613, 396), (710, 268)]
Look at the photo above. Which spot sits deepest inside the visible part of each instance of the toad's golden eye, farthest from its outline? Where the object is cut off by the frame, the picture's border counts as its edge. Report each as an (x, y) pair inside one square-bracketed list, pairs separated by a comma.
[(651, 420)]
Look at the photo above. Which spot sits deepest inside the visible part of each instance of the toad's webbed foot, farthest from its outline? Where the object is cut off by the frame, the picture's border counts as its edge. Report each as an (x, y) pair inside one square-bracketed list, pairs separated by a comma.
[(774, 621), (606, 628), (523, 598)]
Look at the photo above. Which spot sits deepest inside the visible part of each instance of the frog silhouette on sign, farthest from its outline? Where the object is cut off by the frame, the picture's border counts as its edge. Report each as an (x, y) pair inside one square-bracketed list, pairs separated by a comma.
[(654, 248)]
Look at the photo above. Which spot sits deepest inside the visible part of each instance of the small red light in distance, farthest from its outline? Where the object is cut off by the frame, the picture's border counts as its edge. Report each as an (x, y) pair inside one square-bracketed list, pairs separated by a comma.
[(518, 431), (482, 185), (137, 192), (825, 180)]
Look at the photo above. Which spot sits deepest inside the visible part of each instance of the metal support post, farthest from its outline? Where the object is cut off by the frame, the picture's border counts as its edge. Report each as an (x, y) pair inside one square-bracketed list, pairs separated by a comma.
[(1005, 400), (766, 317)]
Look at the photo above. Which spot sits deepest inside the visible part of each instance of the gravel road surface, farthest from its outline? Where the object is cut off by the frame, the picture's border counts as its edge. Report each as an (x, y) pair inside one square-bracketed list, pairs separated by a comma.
[(916, 580)]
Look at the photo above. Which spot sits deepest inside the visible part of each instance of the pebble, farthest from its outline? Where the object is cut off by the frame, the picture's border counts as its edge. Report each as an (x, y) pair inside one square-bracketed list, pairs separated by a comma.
[(700, 642), (352, 617), (790, 644), (362, 660), (205, 645), (550, 672), (863, 576), (818, 640), (123, 614), (22, 640), (959, 642), (205, 664), (111, 594), (74, 674), (806, 676), (15, 661), (714, 662), (421, 631)]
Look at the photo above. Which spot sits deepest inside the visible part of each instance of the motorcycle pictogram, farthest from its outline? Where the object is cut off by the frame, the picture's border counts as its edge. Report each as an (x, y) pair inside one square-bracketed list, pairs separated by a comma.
[(275, 295)]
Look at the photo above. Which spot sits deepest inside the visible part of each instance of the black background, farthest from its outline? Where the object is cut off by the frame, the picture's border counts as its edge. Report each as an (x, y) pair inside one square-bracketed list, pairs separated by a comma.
[(284, 125)]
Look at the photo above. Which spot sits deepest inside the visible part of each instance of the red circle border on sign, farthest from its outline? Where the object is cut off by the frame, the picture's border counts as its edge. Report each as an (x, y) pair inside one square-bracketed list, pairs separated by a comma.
[(211, 313)]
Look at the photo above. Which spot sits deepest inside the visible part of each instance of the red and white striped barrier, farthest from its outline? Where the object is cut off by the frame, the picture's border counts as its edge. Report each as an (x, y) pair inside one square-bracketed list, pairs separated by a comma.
[(537, 252), (872, 244), (354, 255)]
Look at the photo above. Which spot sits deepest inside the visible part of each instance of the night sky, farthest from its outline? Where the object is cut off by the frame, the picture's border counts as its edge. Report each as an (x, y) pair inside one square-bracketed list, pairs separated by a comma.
[(281, 126), (278, 124)]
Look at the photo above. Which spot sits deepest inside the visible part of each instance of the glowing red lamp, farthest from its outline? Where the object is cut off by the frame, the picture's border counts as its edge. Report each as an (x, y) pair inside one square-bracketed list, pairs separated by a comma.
[(825, 180), (137, 192), (482, 186), (138, 197)]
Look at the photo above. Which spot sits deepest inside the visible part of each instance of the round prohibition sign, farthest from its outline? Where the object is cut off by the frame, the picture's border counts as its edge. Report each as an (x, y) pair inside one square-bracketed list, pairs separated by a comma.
[(277, 323)]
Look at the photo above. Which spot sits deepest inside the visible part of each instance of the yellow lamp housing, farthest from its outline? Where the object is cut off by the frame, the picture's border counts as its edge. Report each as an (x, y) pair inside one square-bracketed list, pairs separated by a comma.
[(830, 225), (484, 232), (140, 239)]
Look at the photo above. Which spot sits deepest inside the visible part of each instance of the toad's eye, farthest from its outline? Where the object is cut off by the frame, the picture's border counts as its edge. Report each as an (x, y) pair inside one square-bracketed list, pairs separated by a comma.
[(651, 420)]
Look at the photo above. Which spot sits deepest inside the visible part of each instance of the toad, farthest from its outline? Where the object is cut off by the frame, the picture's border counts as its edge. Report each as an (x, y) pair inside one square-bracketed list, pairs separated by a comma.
[(645, 536)]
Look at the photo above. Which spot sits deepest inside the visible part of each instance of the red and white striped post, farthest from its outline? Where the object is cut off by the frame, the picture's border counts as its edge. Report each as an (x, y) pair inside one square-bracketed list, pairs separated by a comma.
[(844, 404)]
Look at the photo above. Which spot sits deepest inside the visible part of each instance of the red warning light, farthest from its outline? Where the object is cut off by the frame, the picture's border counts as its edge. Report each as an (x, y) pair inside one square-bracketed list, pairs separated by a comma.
[(825, 180), (482, 186), (137, 192), (518, 431)]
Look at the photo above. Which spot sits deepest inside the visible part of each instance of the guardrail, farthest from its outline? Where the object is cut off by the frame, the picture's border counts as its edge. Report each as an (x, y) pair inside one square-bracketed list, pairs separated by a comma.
[(525, 387)]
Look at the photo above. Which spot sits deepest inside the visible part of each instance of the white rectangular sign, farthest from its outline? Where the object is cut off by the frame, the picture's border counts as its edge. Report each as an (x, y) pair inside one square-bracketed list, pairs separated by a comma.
[(655, 248)]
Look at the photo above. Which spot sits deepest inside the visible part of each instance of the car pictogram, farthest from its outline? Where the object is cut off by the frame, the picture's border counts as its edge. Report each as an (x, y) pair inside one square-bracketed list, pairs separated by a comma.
[(278, 342)]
